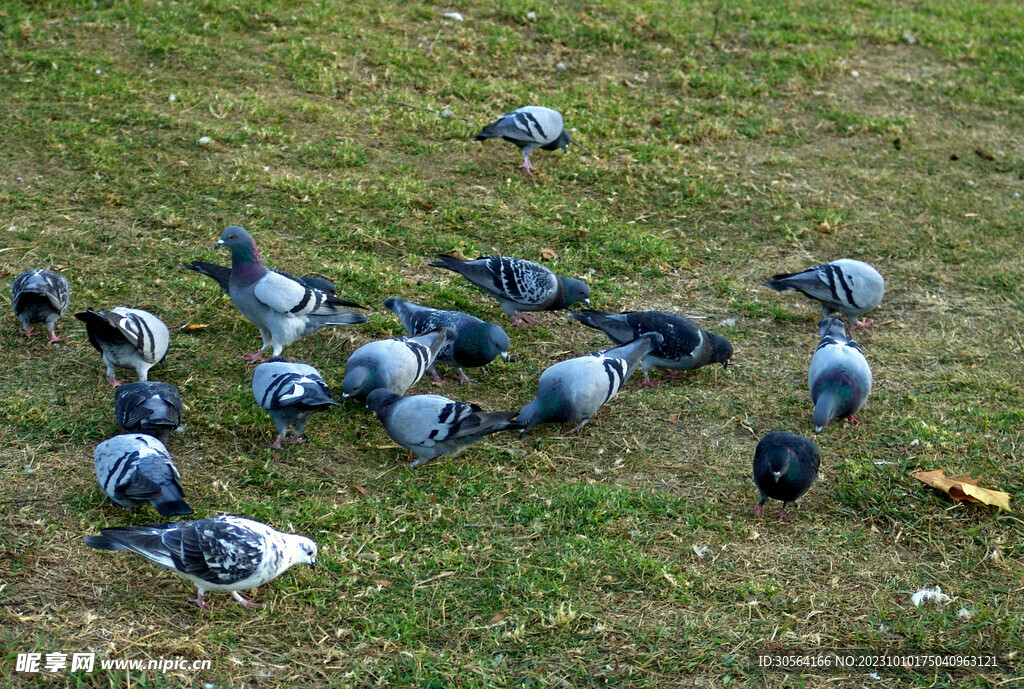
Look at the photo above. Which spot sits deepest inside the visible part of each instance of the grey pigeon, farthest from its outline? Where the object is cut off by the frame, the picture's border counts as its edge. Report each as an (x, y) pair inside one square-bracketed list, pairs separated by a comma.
[(785, 466), (281, 307), (291, 393), (129, 338), (686, 345), (431, 426), (396, 364), (573, 390), (477, 344), (224, 553), (839, 378), (222, 274), (519, 285), (135, 468), (40, 296), (530, 127), (148, 407), (850, 287)]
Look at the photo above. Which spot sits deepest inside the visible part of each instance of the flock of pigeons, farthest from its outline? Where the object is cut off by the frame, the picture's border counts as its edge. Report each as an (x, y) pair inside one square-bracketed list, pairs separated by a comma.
[(230, 553)]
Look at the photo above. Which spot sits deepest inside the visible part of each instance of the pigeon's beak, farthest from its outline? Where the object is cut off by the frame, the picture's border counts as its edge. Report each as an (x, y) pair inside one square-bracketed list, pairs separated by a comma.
[(504, 356), (587, 302), (777, 475), (725, 364), (219, 244)]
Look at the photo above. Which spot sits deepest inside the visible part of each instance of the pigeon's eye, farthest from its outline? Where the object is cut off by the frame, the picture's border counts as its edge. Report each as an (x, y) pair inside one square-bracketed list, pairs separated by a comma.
[(231, 236)]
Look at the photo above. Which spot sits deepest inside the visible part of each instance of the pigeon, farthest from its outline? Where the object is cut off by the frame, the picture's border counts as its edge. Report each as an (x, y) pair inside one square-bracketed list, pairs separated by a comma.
[(849, 287), (396, 364), (431, 426), (223, 553), (477, 344), (40, 296), (785, 466), (222, 274), (134, 468), (129, 338), (573, 390), (839, 378), (291, 393), (530, 127), (282, 307), (148, 407), (519, 285), (686, 345)]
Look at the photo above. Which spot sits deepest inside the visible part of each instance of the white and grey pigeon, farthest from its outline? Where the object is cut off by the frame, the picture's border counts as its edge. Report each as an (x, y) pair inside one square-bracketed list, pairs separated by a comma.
[(222, 275), (135, 468), (431, 425), (281, 307), (686, 345), (40, 296), (785, 466), (519, 285), (530, 127), (148, 407), (129, 338), (839, 378), (291, 393), (847, 286), (573, 390), (477, 344), (223, 553), (395, 364)]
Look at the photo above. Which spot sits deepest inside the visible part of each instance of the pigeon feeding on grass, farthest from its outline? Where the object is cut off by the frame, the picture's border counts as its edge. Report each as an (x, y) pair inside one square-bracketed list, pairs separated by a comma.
[(148, 407), (225, 553), (849, 287), (395, 364), (291, 393), (431, 426), (40, 296), (839, 378), (785, 466), (281, 307), (686, 345), (530, 127), (134, 468), (519, 285), (573, 390), (222, 274), (477, 344), (129, 338)]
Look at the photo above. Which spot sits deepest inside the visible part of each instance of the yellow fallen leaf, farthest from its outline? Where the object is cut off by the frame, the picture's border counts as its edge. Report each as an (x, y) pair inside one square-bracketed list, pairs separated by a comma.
[(549, 254), (963, 488)]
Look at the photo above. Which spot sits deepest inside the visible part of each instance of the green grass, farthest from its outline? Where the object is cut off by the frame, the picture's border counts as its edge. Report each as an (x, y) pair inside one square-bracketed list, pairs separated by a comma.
[(732, 141)]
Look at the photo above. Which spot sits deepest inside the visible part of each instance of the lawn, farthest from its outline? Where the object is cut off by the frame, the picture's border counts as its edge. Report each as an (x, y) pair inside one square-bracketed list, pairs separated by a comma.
[(730, 141)]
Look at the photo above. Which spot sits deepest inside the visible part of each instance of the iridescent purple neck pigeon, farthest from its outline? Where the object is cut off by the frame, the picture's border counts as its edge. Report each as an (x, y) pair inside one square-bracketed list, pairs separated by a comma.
[(785, 466)]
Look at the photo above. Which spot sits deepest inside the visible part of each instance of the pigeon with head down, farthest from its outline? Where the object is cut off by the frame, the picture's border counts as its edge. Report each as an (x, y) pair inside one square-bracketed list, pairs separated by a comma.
[(127, 338), (291, 393), (134, 468), (395, 364), (40, 296), (518, 285), (281, 307), (847, 286), (530, 127), (148, 407), (785, 466), (839, 378)]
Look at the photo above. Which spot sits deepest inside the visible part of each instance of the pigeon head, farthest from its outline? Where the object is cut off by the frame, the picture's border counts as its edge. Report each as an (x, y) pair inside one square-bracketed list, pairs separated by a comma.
[(834, 326), (721, 349), (242, 245), (380, 399), (358, 381), (575, 290), (480, 343), (301, 549), (563, 141)]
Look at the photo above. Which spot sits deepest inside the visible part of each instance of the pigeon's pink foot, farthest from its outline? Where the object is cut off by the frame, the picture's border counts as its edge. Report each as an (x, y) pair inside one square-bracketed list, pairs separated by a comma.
[(854, 420), (114, 382), (252, 358), (436, 378), (674, 374), (759, 511), (463, 378), (652, 383), (523, 319), (27, 332), (198, 600), (55, 338), (865, 324), (277, 443), (295, 439), (245, 602), (783, 517), (528, 166)]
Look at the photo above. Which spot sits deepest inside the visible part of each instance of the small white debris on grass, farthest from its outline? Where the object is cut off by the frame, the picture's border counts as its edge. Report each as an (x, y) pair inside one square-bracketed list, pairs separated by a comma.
[(99, 71), (970, 182), (908, 38), (873, 675), (926, 595), (560, 66), (700, 551), (447, 114), (915, 442), (727, 323), (454, 16), (204, 140), (532, 16), (965, 614), (173, 97)]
